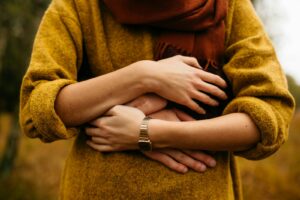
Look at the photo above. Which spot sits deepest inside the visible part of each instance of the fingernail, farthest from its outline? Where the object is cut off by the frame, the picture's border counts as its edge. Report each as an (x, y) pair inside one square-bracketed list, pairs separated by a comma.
[(185, 170), (216, 103), (212, 163), (202, 111), (201, 168)]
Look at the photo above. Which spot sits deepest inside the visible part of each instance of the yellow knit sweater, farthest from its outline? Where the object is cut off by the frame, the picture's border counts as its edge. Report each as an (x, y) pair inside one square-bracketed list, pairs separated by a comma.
[(76, 35)]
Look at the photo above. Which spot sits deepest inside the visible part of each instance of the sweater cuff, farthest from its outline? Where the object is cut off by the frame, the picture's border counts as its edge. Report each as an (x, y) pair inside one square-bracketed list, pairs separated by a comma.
[(263, 116), (44, 117)]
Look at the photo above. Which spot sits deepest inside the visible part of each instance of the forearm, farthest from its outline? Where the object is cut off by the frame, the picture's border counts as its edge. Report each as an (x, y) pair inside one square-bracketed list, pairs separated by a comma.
[(233, 132), (82, 102)]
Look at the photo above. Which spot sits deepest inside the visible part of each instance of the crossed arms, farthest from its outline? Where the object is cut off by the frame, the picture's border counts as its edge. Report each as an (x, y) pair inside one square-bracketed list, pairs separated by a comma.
[(177, 138)]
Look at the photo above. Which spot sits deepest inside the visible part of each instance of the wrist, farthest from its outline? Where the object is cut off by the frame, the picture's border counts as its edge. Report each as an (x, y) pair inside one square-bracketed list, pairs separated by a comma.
[(147, 78), (159, 133)]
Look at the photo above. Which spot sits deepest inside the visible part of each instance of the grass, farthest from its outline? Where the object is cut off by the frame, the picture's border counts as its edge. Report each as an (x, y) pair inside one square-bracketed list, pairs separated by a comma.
[(38, 168), (277, 177)]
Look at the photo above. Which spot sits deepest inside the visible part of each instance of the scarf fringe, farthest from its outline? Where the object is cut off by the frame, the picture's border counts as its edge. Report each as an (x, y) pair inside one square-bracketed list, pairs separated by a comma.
[(210, 63), (164, 50)]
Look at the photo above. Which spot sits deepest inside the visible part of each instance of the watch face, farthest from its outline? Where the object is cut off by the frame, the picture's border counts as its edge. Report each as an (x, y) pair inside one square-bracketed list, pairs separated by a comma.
[(145, 145)]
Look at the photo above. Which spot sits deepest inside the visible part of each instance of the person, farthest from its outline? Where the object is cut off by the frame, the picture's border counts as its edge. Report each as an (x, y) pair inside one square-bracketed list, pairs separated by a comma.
[(205, 71)]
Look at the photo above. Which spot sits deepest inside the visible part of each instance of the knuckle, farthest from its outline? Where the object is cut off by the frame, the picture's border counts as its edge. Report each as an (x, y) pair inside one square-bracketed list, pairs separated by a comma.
[(193, 59), (97, 147), (116, 108), (200, 83), (207, 159), (194, 105), (178, 57), (190, 90), (88, 131), (177, 167), (194, 75), (219, 79), (169, 163), (155, 156), (216, 91), (104, 129), (203, 157), (216, 77), (182, 157), (98, 122), (186, 101), (208, 100), (194, 164), (94, 139)]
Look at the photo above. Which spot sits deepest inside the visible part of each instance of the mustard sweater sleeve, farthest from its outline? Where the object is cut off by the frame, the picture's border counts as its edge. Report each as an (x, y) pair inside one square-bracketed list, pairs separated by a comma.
[(56, 55), (259, 84)]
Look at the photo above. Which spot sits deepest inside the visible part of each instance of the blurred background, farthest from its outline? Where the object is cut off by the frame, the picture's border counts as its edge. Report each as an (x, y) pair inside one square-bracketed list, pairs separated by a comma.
[(30, 169)]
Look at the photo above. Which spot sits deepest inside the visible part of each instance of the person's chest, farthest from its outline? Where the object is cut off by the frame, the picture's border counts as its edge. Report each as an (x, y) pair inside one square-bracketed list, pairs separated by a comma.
[(109, 46)]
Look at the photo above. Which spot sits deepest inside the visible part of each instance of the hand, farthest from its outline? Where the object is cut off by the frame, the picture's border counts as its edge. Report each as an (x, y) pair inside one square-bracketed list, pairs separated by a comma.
[(165, 114), (175, 159), (117, 131), (148, 103), (181, 160), (153, 105), (180, 79), (182, 116)]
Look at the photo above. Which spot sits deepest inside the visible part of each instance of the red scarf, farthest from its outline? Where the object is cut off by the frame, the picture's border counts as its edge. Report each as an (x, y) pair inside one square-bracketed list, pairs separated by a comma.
[(187, 27)]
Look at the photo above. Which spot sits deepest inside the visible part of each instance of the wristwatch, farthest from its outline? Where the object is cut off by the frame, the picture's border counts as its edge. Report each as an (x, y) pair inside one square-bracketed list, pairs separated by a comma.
[(144, 140)]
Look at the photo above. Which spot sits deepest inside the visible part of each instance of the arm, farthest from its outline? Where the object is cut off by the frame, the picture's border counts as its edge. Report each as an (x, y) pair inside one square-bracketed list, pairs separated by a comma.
[(233, 132), (119, 130), (52, 100), (262, 103), (179, 159), (175, 159), (171, 81)]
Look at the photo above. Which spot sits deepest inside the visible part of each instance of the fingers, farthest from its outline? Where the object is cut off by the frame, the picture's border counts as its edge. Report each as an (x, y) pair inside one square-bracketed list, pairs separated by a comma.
[(204, 98), (193, 106), (100, 140), (206, 76), (117, 109), (211, 89), (99, 122), (165, 114), (191, 61), (148, 103), (98, 136), (96, 132), (100, 147), (112, 111), (212, 78), (167, 161), (182, 116), (201, 156), (185, 159)]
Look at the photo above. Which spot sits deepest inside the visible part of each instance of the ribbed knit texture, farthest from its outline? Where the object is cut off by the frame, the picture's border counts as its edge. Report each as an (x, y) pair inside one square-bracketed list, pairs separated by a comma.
[(76, 35)]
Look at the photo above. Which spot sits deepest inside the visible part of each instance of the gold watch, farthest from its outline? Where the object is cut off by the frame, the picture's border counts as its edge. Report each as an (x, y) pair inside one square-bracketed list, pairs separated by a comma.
[(144, 140)]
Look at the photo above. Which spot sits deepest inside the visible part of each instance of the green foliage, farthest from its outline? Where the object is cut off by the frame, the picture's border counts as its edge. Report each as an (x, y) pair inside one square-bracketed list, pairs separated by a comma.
[(18, 19)]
